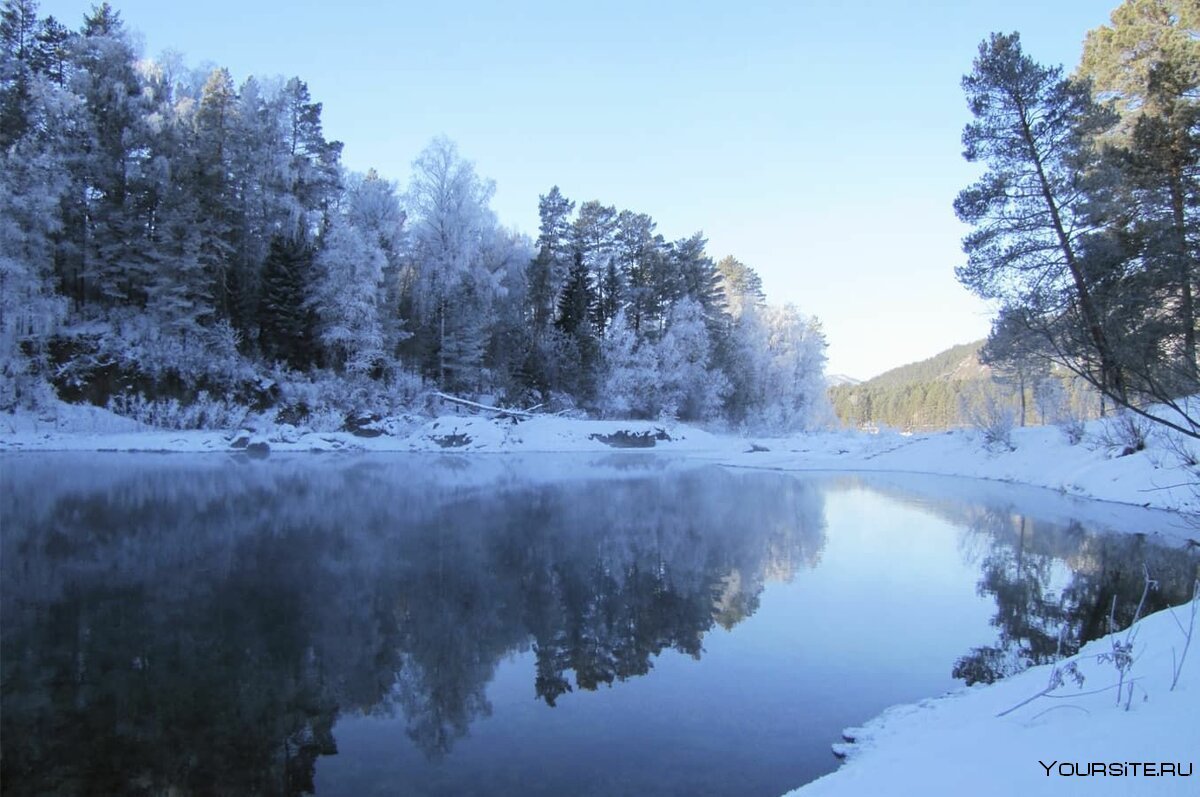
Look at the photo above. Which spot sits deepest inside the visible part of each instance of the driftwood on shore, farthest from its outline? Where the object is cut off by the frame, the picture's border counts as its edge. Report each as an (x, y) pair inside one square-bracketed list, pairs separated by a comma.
[(499, 412)]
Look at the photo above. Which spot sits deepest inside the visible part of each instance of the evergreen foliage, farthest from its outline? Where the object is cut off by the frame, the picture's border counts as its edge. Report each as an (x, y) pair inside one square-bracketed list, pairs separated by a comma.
[(286, 318), (1084, 225)]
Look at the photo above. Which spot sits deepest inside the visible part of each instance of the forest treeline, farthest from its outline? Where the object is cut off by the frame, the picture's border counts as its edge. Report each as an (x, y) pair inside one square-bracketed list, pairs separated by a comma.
[(173, 236)]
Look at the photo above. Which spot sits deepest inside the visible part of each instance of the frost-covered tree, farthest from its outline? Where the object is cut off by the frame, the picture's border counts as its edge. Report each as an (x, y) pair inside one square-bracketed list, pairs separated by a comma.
[(512, 339), (347, 289), (372, 205), (673, 376), (450, 219), (465, 322), (30, 308), (215, 125), (52, 52), (796, 379), (690, 387), (259, 165), (746, 364), (312, 169), (631, 380), (188, 220), (120, 166), (182, 283), (35, 153), (451, 228), (699, 278), (777, 370), (18, 47)]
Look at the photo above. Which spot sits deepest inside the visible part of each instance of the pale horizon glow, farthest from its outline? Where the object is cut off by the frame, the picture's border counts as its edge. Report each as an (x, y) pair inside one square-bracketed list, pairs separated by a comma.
[(818, 143)]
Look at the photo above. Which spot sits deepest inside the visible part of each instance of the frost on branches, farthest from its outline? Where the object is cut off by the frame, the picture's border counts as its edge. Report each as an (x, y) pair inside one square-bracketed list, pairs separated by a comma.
[(169, 233)]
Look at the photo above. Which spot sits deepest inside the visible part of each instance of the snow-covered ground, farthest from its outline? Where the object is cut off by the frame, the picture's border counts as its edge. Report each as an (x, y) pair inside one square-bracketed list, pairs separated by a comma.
[(1077, 739), (945, 745), (1039, 456)]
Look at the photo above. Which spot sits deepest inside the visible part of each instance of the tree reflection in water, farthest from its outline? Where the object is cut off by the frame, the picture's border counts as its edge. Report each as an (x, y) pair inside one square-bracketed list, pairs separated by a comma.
[(1055, 587), (197, 626)]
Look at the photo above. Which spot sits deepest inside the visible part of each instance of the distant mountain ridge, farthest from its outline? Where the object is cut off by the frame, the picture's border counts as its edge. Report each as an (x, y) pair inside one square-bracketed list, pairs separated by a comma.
[(958, 363), (924, 395)]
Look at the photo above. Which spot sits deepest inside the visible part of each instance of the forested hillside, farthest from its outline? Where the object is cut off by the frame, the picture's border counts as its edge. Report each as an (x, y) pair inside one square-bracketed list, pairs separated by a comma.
[(956, 364), (920, 395), (955, 388), (185, 246), (935, 393)]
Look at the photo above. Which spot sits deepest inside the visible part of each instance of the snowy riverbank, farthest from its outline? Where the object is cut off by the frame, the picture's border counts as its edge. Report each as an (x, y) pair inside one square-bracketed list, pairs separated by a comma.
[(1039, 456), (1078, 739)]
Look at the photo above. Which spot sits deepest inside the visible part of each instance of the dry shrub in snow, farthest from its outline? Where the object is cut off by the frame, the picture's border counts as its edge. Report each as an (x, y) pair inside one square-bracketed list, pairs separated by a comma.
[(203, 413), (994, 419), (1125, 434)]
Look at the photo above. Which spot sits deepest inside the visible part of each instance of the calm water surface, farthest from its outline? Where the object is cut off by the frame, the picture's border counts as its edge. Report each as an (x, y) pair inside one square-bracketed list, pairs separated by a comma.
[(505, 625)]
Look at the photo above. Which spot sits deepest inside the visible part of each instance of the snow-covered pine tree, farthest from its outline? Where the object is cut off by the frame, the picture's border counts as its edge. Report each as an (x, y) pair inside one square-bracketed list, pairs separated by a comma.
[(313, 172), (116, 163), (215, 125), (741, 285)]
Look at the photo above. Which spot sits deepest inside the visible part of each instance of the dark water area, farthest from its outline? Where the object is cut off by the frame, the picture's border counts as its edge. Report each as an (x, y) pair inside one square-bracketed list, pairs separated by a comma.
[(425, 625)]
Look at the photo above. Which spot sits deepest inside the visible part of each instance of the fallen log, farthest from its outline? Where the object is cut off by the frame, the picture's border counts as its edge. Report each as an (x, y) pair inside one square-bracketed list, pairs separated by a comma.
[(501, 412)]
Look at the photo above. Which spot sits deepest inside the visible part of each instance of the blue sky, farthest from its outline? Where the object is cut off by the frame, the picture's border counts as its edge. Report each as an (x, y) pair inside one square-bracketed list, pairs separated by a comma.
[(817, 142)]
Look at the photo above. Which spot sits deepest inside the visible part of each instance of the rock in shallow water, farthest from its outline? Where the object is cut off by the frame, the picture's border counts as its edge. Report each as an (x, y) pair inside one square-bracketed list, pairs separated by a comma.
[(258, 448)]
